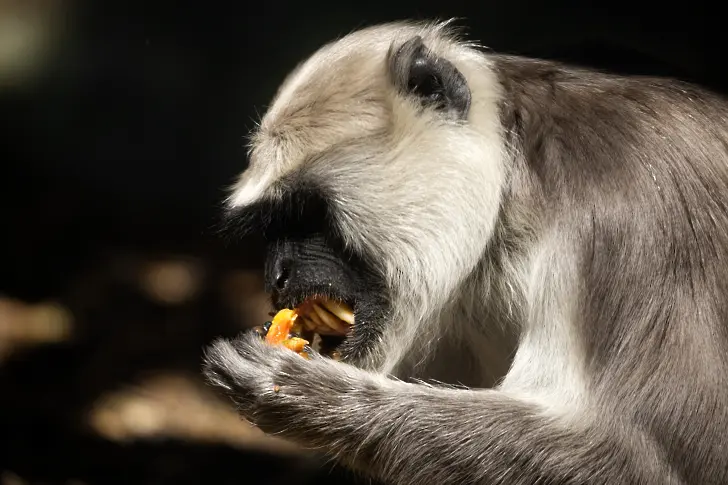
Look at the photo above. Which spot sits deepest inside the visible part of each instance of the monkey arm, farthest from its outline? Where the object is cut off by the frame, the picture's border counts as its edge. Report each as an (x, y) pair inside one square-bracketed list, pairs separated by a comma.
[(406, 433)]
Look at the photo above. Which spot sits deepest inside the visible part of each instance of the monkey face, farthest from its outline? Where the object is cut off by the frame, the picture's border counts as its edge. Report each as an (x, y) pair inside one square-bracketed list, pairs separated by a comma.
[(307, 264), (375, 183)]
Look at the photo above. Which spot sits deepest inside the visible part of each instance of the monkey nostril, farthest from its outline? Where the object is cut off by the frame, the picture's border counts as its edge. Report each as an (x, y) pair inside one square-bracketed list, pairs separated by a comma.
[(282, 276)]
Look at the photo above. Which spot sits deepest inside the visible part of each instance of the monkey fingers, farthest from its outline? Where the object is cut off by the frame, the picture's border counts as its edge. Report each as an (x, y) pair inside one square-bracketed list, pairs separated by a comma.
[(269, 384)]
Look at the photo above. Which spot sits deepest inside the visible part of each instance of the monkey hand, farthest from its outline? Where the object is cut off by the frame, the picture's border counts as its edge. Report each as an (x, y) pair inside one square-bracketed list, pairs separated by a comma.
[(278, 390)]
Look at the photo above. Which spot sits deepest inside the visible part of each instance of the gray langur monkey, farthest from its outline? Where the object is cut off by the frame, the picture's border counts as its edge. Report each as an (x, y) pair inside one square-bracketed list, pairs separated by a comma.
[(468, 204)]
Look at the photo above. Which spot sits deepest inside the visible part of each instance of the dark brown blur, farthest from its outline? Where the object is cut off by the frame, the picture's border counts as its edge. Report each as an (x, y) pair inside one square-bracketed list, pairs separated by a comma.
[(123, 122)]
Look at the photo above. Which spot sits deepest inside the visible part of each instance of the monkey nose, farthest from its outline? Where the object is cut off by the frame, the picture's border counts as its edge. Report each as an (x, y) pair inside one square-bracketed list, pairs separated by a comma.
[(281, 275), (280, 269)]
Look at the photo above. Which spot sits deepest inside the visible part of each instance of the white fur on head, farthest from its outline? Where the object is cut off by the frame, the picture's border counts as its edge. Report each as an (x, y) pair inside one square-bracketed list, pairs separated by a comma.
[(420, 192)]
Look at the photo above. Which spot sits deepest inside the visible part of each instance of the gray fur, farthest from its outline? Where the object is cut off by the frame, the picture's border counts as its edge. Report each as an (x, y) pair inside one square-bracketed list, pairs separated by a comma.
[(585, 214)]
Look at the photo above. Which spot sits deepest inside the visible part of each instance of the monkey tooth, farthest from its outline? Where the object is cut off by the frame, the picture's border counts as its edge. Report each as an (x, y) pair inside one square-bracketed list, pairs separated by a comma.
[(308, 312), (329, 319), (340, 310), (308, 323), (316, 342)]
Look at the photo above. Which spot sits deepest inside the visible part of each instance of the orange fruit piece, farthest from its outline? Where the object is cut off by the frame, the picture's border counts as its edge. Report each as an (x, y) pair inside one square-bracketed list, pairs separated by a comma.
[(280, 331), (295, 344), (280, 326)]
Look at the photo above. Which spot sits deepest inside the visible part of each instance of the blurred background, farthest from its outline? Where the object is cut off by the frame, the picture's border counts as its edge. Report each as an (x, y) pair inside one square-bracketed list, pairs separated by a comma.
[(122, 124)]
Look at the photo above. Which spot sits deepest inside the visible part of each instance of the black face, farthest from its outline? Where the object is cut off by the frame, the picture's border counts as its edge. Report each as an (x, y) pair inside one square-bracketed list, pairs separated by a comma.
[(305, 259)]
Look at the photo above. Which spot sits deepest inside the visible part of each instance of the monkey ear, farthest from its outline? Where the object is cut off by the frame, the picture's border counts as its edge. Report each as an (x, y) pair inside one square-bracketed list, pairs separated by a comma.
[(435, 81)]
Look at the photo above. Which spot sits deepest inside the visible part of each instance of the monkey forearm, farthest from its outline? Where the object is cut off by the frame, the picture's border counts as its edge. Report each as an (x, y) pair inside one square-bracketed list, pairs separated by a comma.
[(428, 435), (413, 434), (410, 434)]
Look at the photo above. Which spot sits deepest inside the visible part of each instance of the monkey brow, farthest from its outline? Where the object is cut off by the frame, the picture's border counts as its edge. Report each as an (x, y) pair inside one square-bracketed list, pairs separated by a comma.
[(302, 210)]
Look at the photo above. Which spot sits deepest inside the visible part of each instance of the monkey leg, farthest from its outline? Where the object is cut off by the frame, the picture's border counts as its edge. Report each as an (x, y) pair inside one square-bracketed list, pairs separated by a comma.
[(403, 433)]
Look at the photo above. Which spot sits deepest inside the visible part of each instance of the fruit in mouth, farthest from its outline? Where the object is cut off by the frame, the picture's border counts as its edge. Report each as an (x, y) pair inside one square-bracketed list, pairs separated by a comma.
[(318, 324)]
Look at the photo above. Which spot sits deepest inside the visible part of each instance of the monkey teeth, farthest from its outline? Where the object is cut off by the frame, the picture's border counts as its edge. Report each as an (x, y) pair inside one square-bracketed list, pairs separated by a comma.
[(323, 320), (316, 344), (339, 309), (329, 319), (326, 317)]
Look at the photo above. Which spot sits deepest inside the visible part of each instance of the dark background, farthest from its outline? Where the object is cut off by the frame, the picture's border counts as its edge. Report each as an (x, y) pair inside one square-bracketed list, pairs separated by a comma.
[(116, 149)]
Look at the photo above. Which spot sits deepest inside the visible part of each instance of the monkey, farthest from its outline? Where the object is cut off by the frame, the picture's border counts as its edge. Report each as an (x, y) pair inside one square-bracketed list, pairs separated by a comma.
[(536, 254)]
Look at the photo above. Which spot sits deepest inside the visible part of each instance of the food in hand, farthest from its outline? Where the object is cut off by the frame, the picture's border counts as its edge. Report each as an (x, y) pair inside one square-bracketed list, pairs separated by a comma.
[(315, 325)]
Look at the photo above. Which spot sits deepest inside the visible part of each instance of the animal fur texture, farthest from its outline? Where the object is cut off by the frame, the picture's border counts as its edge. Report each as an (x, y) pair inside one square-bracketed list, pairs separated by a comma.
[(575, 218)]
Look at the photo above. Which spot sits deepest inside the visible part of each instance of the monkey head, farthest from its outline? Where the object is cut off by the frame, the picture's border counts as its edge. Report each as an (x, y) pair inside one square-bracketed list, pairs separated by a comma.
[(376, 178)]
